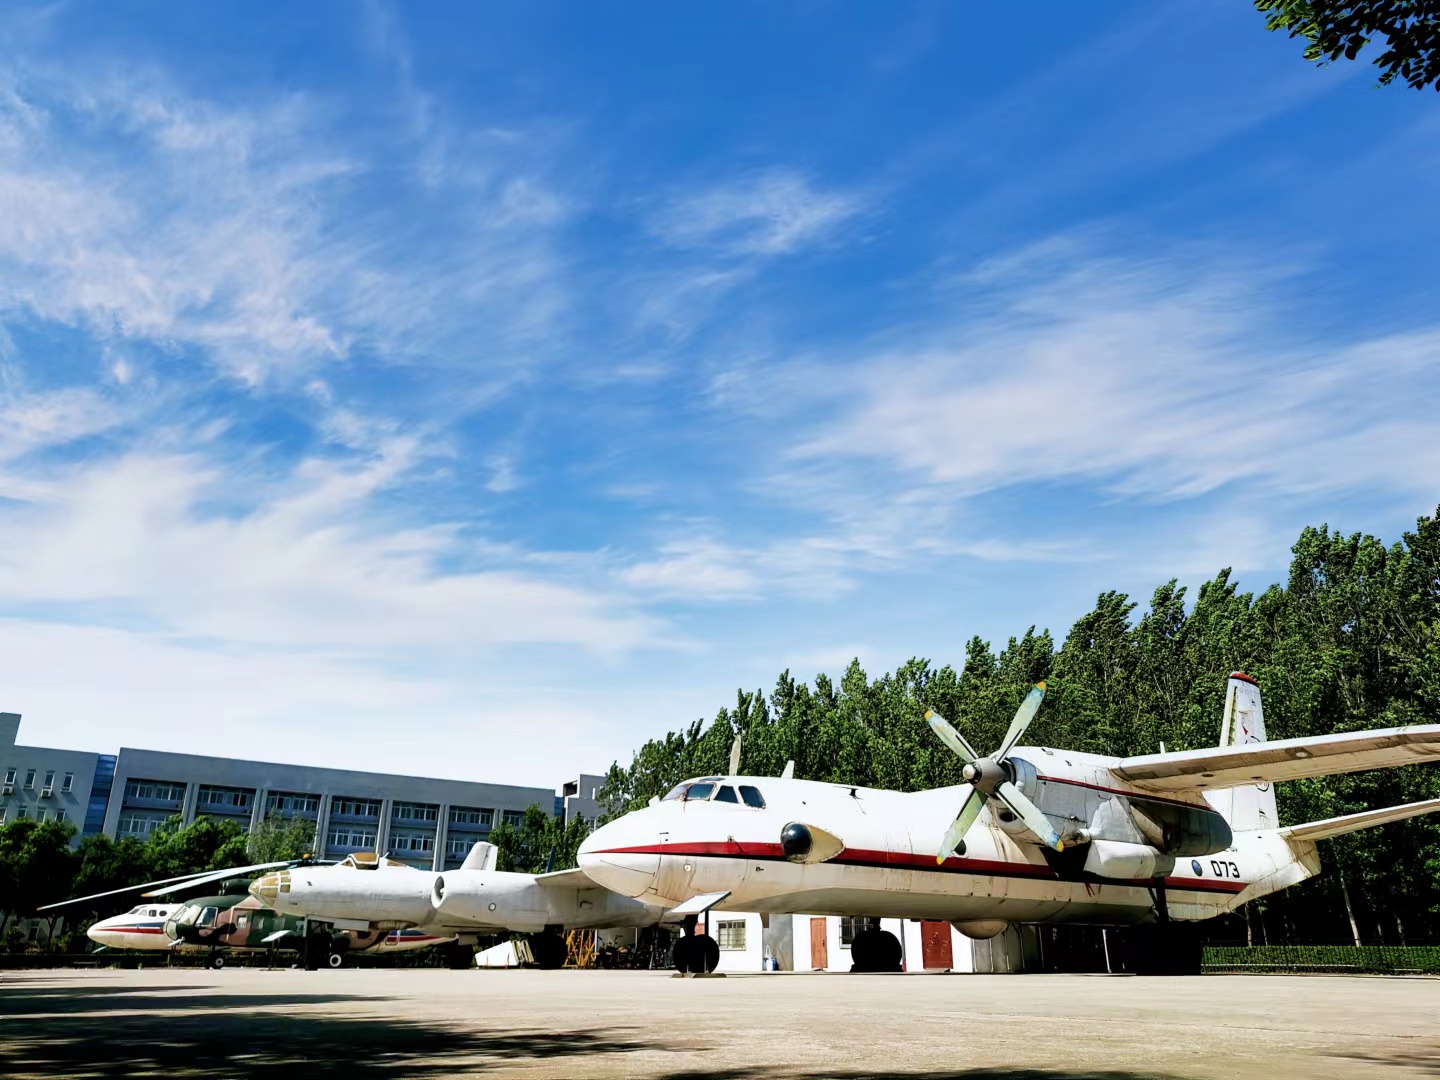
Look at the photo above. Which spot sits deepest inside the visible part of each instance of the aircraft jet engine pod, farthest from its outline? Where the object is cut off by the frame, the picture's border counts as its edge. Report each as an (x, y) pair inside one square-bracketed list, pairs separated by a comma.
[(808, 844)]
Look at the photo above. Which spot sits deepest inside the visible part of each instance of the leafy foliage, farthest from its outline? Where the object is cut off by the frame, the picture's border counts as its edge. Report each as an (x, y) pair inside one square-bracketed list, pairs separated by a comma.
[(277, 838), (541, 842), (1351, 641), (1336, 28)]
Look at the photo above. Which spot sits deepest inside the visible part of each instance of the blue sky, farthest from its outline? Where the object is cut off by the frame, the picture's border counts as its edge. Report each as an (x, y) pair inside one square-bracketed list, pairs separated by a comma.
[(479, 390)]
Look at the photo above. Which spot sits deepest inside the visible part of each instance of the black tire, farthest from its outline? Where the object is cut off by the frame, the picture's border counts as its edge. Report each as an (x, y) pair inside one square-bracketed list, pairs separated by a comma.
[(680, 954), (704, 954), (548, 950), (862, 951), (459, 957), (217, 961), (886, 952), (335, 960)]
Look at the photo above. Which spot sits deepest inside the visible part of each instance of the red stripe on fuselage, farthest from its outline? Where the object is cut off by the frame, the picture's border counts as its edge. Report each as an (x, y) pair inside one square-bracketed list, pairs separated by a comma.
[(911, 861)]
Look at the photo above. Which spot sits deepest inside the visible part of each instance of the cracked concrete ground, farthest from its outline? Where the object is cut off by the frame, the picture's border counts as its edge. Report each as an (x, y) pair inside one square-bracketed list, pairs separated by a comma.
[(368, 1023)]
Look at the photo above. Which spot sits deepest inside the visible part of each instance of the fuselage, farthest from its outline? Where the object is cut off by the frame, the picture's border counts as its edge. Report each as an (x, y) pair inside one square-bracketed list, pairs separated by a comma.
[(887, 841), (394, 896), (141, 927)]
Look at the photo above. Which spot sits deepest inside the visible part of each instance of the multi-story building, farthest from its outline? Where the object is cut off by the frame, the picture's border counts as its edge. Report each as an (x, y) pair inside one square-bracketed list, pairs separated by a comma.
[(581, 799), (52, 785), (426, 822)]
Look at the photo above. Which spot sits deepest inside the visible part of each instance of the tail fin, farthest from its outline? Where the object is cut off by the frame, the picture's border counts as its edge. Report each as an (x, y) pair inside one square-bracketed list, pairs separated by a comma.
[(1252, 806), (482, 856)]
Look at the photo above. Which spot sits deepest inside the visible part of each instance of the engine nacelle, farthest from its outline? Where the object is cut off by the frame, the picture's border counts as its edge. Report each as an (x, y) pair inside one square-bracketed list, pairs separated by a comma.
[(511, 901), (1116, 859)]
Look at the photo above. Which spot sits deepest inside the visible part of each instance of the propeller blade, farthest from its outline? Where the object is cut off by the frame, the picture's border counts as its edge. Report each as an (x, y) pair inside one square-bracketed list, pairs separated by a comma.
[(1023, 716), (127, 889), (969, 811), (220, 875), (950, 737), (735, 756), (1030, 814)]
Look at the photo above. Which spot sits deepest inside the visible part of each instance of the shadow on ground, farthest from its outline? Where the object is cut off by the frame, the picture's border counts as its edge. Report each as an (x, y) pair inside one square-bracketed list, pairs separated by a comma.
[(214, 1035)]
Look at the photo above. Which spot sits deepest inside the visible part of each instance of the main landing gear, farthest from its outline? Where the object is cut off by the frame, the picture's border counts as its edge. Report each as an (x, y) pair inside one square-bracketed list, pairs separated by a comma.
[(695, 954), (548, 949), (875, 950), (1163, 947)]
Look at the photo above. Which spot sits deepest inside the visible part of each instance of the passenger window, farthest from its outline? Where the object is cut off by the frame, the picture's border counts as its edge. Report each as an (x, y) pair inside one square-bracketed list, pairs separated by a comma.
[(752, 797), (699, 792), (726, 794)]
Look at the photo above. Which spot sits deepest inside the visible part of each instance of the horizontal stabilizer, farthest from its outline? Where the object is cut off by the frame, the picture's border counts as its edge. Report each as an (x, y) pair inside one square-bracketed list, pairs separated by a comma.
[(698, 905), (1289, 759), (1339, 826), (567, 879)]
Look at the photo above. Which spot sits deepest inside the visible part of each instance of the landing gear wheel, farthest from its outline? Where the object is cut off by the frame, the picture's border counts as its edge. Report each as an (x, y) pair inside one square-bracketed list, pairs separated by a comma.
[(875, 950), (335, 960), (217, 961), (548, 950), (680, 953), (704, 955)]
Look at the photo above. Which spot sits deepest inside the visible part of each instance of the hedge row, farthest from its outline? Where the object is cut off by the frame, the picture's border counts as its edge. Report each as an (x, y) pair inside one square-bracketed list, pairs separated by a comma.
[(1369, 959)]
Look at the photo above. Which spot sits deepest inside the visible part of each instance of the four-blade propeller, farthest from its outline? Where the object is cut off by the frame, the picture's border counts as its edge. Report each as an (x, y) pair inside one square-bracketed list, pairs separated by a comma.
[(989, 778)]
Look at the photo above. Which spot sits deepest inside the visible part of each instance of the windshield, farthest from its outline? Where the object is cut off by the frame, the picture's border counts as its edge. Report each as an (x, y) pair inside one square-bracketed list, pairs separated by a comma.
[(752, 797), (187, 914), (726, 794), (699, 792)]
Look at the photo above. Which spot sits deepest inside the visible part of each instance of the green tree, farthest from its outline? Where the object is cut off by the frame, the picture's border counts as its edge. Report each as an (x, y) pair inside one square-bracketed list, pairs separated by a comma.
[(276, 839), (37, 866), (1410, 30), (540, 842)]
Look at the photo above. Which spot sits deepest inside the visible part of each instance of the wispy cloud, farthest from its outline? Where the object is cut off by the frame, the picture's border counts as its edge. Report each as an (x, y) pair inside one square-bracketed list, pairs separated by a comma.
[(1155, 377), (773, 212)]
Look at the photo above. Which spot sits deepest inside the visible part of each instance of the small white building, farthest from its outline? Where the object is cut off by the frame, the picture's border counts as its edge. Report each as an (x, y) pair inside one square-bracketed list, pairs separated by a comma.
[(805, 942)]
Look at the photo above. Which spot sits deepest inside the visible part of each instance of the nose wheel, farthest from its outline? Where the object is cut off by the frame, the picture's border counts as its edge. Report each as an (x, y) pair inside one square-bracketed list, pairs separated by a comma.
[(696, 954)]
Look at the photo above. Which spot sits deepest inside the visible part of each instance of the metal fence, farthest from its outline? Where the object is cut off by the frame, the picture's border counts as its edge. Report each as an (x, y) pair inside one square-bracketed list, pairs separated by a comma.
[(1322, 959)]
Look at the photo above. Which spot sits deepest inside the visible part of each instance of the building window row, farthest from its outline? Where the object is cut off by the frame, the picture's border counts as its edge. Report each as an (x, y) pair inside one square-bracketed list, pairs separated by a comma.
[(514, 817), (459, 848), (292, 802), (41, 814), (225, 798), (414, 812), (350, 807), (471, 815), (157, 790), (412, 843), (133, 825), (351, 838)]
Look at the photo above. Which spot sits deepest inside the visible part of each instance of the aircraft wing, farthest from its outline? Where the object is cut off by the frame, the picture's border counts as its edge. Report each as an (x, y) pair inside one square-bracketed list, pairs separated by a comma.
[(1339, 826), (1287, 759), (567, 879)]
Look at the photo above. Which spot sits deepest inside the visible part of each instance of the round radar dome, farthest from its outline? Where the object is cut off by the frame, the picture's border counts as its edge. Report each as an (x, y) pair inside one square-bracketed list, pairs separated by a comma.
[(796, 842)]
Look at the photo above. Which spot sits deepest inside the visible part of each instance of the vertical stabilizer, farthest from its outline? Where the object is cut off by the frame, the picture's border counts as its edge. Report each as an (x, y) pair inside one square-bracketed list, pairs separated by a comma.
[(1251, 806)]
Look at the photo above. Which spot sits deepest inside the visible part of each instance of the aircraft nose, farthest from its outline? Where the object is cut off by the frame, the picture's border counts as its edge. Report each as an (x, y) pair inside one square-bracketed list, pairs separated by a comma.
[(270, 888), (617, 856)]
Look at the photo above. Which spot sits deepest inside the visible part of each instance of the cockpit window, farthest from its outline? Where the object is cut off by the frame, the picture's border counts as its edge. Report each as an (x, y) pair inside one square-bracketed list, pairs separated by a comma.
[(187, 915), (726, 794), (207, 917), (752, 796), (676, 791), (699, 792)]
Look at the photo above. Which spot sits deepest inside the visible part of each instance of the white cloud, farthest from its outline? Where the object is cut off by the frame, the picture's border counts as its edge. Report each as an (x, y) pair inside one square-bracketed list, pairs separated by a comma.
[(137, 212), (309, 562), (774, 212), (1156, 378)]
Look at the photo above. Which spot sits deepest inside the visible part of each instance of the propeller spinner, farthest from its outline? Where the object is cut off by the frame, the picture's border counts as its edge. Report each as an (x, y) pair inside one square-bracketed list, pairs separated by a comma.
[(990, 779)]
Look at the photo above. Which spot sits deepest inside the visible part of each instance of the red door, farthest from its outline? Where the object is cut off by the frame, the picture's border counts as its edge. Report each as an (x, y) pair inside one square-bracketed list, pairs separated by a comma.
[(935, 946), (819, 950)]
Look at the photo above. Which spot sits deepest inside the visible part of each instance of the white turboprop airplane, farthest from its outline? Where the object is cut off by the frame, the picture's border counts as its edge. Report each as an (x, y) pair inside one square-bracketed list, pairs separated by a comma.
[(1038, 835), (366, 893)]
